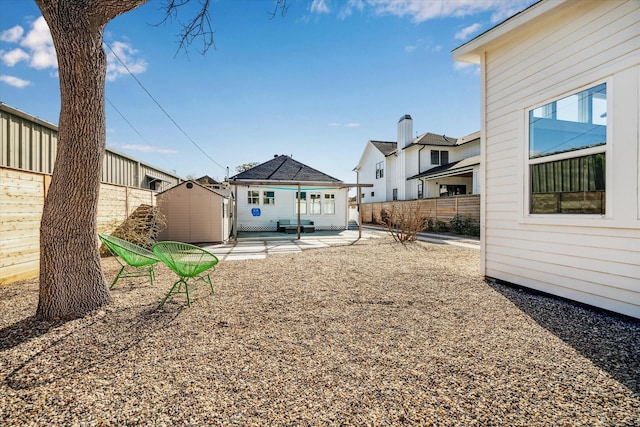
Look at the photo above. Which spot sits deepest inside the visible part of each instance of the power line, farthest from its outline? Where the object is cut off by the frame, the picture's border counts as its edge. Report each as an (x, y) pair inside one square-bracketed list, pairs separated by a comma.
[(161, 108), (136, 130)]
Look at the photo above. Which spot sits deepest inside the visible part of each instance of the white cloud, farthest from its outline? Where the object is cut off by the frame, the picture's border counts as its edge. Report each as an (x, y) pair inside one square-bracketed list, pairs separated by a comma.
[(39, 43), (121, 57), (320, 6), (348, 9), (422, 10), (14, 81), (38, 51), (466, 67), (344, 125), (465, 32), (12, 35), (147, 148), (14, 56), (423, 44)]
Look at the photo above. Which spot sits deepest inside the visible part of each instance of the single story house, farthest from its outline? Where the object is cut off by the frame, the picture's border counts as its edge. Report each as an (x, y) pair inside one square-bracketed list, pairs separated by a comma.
[(195, 213), (560, 156), (285, 189)]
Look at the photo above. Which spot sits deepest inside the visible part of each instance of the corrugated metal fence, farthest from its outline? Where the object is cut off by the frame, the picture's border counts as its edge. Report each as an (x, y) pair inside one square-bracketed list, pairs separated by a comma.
[(30, 144), (21, 201)]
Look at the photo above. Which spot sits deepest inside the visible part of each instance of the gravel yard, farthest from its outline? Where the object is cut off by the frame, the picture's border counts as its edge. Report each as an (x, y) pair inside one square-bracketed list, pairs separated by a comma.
[(373, 333)]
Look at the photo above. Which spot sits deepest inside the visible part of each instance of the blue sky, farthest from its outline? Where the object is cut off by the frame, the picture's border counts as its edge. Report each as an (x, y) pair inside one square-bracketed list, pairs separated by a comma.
[(316, 84)]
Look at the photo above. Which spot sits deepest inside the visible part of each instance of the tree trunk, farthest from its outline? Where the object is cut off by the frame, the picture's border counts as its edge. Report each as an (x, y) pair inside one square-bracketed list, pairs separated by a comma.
[(71, 280)]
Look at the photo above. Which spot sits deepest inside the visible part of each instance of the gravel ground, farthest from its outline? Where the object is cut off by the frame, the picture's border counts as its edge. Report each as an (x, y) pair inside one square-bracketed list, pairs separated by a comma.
[(374, 333)]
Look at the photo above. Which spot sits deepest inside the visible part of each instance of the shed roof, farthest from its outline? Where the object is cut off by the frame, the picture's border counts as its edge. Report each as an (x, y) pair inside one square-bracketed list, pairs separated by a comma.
[(222, 192), (283, 168)]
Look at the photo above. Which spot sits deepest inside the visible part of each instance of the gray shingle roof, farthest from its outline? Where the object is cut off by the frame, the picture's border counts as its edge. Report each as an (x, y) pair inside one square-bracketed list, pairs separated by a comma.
[(434, 139), (385, 147), (449, 167), (283, 168)]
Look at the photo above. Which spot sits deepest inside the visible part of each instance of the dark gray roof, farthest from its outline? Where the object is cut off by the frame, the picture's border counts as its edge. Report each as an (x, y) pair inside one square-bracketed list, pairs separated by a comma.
[(449, 167), (434, 139), (207, 180), (283, 168), (385, 147)]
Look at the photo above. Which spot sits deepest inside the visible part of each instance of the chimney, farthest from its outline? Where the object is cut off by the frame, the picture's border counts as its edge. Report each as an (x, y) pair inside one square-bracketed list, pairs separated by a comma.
[(405, 131)]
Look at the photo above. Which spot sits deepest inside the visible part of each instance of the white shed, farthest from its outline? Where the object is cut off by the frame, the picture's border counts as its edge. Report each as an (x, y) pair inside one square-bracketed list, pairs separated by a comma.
[(195, 214), (560, 150)]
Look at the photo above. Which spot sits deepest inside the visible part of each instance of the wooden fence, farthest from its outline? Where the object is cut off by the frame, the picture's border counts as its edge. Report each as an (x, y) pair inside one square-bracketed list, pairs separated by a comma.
[(439, 209), (22, 196)]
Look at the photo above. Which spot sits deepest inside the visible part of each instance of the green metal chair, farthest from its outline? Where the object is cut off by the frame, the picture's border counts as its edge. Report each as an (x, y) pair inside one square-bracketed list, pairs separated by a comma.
[(188, 262), (136, 261)]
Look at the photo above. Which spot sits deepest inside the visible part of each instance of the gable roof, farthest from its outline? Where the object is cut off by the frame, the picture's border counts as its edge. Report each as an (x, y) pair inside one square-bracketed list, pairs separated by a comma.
[(222, 192), (471, 50), (460, 165), (207, 180), (385, 147), (433, 139), (283, 168)]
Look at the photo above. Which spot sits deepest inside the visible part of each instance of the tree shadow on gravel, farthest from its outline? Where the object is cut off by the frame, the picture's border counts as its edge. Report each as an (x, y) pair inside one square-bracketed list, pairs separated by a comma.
[(25, 330), (85, 347), (610, 341)]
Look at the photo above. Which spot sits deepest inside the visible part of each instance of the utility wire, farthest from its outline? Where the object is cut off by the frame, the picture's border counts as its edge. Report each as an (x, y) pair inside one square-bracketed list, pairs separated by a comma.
[(155, 150), (161, 108)]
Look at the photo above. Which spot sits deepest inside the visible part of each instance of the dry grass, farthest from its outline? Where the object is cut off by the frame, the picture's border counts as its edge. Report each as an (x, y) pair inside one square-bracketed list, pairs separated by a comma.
[(377, 333)]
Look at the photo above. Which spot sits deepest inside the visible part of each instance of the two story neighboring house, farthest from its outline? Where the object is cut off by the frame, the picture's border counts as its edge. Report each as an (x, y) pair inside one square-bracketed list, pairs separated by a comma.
[(428, 165)]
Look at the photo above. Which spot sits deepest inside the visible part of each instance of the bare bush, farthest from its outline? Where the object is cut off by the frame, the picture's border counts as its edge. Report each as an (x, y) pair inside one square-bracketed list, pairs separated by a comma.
[(406, 222)]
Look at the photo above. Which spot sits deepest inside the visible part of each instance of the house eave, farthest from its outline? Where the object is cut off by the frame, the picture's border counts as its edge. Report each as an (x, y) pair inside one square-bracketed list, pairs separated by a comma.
[(472, 50)]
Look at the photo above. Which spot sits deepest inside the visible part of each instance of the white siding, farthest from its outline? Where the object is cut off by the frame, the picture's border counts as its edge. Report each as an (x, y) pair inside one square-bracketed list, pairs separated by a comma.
[(367, 175), (589, 259), (284, 208)]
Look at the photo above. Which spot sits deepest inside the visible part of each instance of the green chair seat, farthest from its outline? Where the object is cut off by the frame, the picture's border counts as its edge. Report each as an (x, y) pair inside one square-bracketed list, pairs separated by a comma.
[(188, 262), (135, 261)]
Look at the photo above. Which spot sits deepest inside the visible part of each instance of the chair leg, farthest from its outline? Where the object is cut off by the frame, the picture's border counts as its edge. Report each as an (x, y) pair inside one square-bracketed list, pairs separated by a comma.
[(152, 274), (186, 291), (117, 277), (171, 291), (210, 284)]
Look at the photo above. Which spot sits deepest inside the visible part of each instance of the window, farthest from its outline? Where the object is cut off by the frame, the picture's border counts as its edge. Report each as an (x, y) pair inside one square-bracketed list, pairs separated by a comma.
[(303, 202), (362, 196), (567, 159), (439, 157), (329, 204), (395, 194), (379, 170), (373, 193), (253, 197), (269, 198), (419, 190), (315, 203)]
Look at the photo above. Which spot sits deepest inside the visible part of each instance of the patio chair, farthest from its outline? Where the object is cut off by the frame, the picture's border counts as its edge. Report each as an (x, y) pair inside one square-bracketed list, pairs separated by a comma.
[(188, 262), (135, 261)]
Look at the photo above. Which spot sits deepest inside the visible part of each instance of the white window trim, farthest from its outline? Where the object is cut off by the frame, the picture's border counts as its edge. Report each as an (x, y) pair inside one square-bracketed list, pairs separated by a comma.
[(586, 220)]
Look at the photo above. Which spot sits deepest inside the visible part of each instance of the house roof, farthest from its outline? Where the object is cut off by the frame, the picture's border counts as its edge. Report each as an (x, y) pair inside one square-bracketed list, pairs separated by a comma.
[(459, 166), (433, 139), (471, 50), (207, 180), (222, 192), (385, 147), (283, 168)]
